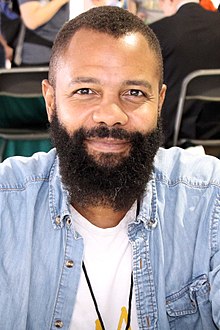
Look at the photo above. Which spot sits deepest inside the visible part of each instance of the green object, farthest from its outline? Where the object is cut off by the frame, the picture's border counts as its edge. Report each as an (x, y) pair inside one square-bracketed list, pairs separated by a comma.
[(23, 117), (25, 148), (29, 113)]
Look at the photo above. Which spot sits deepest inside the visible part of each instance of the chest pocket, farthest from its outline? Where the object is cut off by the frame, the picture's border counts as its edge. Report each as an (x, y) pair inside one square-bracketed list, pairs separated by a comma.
[(189, 308)]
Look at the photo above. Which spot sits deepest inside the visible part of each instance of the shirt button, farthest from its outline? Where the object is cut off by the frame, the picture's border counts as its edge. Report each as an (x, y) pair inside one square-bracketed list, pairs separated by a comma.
[(57, 220), (68, 221), (58, 324), (152, 223), (69, 263)]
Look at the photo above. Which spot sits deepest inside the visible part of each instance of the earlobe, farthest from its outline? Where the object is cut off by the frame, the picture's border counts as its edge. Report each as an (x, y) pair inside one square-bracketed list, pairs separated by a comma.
[(48, 94), (162, 97)]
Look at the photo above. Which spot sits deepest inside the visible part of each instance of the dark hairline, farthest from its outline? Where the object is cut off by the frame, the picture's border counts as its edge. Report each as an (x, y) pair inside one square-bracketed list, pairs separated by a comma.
[(112, 21)]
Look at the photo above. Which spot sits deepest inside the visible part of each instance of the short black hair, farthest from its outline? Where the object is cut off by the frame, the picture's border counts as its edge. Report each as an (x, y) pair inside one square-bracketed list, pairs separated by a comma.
[(110, 20)]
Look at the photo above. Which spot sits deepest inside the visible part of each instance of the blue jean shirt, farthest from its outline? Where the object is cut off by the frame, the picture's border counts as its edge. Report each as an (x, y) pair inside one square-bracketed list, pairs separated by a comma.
[(175, 241)]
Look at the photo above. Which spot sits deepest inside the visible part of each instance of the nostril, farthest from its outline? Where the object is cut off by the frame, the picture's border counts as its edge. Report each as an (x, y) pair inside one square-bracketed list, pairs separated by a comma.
[(110, 115)]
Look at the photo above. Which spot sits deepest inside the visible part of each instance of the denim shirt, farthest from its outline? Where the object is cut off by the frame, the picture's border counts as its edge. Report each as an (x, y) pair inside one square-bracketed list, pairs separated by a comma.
[(175, 241)]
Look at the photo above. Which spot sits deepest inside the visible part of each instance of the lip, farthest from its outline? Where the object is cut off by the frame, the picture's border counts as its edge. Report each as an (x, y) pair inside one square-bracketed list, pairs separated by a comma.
[(107, 145)]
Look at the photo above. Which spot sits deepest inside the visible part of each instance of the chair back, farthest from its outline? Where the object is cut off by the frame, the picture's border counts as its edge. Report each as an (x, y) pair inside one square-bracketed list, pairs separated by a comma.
[(202, 85), (22, 82), (23, 117), (21, 100)]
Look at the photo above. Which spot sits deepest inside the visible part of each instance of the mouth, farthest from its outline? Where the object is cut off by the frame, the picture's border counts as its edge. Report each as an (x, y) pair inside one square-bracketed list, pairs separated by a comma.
[(108, 145)]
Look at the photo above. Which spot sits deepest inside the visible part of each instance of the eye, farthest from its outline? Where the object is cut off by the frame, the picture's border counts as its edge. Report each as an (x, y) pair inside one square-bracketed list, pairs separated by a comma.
[(84, 91), (135, 92)]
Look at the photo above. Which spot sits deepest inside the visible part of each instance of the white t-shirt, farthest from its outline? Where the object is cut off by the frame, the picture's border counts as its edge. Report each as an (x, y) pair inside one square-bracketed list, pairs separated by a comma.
[(108, 261)]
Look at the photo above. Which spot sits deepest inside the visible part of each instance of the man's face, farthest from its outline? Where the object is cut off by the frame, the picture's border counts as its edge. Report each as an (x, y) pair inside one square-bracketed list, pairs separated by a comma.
[(106, 108), (106, 81)]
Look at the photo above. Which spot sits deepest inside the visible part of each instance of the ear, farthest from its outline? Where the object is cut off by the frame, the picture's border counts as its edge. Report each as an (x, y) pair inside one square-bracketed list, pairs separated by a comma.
[(162, 97), (49, 97)]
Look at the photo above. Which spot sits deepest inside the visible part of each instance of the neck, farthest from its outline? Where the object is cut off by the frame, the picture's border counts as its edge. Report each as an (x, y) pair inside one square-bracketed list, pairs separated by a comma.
[(99, 216)]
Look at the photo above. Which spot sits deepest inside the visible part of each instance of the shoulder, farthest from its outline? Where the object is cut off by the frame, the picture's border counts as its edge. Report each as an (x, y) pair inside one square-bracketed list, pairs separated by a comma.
[(163, 26), (16, 172), (160, 23), (176, 165)]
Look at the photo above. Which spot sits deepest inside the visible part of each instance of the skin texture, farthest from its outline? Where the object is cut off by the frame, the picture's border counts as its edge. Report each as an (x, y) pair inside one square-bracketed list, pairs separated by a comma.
[(8, 50), (108, 81)]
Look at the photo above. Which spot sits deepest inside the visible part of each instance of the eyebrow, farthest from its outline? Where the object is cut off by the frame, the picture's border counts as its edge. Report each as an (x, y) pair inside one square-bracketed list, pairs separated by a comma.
[(90, 80), (143, 83), (87, 80)]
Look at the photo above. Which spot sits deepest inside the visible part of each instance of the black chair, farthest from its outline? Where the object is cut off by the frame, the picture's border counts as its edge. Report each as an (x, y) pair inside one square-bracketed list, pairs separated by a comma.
[(22, 109), (200, 85)]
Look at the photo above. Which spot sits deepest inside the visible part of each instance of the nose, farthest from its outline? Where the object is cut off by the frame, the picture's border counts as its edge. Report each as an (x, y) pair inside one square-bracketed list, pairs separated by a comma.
[(110, 114)]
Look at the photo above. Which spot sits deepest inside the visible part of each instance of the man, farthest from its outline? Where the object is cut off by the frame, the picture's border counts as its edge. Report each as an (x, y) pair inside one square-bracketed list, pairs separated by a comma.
[(110, 233), (42, 19), (131, 5), (10, 22), (190, 41), (5, 51)]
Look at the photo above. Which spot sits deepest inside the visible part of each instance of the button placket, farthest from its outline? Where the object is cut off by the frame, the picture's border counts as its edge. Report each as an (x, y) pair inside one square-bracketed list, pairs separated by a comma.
[(69, 276)]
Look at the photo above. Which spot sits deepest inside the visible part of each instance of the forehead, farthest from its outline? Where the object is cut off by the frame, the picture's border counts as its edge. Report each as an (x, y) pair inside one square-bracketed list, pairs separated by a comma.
[(91, 49), (85, 41)]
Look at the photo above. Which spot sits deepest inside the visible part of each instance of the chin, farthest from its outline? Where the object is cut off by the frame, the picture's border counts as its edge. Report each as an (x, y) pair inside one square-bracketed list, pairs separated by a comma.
[(108, 159)]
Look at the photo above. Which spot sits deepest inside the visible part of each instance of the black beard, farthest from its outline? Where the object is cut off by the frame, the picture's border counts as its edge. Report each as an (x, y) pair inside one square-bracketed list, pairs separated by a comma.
[(113, 181)]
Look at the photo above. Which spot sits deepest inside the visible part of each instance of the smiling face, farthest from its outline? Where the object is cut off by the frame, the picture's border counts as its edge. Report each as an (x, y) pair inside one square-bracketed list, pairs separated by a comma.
[(106, 81), (103, 111)]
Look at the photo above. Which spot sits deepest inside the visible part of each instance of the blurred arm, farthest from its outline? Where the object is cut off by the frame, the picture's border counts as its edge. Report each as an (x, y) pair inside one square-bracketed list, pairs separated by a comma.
[(8, 50), (132, 7), (35, 14)]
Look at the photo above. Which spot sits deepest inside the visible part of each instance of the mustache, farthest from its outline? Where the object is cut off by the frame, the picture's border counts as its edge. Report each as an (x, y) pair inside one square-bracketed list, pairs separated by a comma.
[(106, 132)]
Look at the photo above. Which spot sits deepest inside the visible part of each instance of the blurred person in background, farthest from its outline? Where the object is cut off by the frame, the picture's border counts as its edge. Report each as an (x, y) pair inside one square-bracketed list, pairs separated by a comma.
[(6, 52), (208, 4), (130, 5), (2, 54), (9, 28), (98, 3), (42, 20), (190, 40)]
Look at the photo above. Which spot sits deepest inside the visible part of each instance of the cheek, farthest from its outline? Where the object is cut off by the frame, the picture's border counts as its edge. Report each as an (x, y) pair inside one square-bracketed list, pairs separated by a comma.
[(144, 119), (67, 115), (73, 116)]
